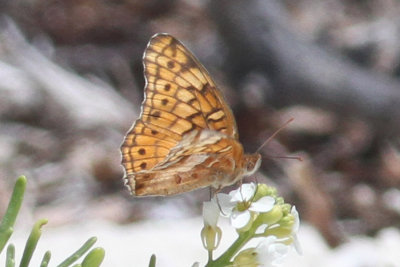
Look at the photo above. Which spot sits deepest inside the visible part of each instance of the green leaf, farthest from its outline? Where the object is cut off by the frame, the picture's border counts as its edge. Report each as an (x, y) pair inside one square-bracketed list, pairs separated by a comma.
[(7, 223), (10, 258), (32, 242), (81, 251), (46, 259), (152, 262), (94, 258)]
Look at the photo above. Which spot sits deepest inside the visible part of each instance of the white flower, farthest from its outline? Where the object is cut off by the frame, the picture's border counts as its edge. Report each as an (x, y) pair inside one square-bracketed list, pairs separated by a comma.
[(210, 214), (295, 229), (239, 204), (211, 233), (270, 252)]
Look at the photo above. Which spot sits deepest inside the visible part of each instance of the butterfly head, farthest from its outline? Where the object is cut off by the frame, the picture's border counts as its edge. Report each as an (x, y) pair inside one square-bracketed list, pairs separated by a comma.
[(251, 163)]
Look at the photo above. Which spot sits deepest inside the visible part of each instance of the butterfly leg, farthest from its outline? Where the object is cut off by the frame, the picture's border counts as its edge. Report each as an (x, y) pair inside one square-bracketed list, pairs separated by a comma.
[(214, 193), (219, 205)]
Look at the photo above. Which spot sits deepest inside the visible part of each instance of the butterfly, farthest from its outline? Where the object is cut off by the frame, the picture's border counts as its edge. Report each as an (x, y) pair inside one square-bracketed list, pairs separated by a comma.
[(186, 136)]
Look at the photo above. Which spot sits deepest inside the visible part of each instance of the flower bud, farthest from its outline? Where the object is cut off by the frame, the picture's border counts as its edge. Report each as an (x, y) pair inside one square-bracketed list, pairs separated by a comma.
[(286, 208), (272, 216), (287, 222), (211, 236), (279, 232), (247, 257), (264, 190)]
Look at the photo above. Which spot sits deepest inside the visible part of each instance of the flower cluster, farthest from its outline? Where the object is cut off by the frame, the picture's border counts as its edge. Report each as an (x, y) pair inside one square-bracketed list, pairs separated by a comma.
[(255, 211)]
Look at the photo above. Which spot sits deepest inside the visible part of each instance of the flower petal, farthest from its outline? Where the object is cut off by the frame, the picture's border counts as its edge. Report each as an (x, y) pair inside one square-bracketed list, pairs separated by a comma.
[(296, 224), (240, 219), (263, 245), (210, 213), (297, 245), (244, 193), (261, 228), (225, 203), (295, 230), (279, 252), (270, 252), (264, 204)]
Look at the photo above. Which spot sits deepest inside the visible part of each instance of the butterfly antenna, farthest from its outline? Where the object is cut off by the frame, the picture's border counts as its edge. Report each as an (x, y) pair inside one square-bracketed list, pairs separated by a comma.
[(275, 133), (287, 157)]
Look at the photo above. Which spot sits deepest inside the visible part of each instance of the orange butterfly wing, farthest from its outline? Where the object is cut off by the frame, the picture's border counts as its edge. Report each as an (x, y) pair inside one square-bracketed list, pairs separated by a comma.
[(164, 152), (180, 89)]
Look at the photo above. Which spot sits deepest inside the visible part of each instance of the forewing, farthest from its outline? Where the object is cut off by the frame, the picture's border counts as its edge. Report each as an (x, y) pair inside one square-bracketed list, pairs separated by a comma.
[(182, 90)]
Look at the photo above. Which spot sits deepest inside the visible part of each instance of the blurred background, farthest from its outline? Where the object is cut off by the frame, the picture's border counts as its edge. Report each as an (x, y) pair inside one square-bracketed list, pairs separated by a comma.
[(71, 84)]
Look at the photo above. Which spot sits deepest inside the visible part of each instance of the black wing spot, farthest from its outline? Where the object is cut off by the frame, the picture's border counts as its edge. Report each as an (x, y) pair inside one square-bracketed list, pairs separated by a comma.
[(139, 186), (171, 64), (205, 87), (156, 114), (194, 115), (178, 179), (143, 165), (191, 101)]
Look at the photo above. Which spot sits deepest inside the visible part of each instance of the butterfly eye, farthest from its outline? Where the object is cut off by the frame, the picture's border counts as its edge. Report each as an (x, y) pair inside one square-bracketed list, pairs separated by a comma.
[(252, 163), (250, 166)]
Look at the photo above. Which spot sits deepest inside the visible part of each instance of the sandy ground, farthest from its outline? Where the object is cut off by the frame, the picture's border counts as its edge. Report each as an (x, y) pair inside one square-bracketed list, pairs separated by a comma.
[(177, 243)]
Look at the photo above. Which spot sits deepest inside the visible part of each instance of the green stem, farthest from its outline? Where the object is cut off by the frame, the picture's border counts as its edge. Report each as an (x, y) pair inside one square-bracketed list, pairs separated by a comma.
[(32, 242), (210, 257), (82, 250), (46, 259), (94, 258), (7, 223), (10, 259), (152, 262), (225, 258)]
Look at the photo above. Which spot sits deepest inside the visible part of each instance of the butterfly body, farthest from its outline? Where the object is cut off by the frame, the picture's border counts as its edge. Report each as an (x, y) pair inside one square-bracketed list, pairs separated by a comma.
[(186, 136)]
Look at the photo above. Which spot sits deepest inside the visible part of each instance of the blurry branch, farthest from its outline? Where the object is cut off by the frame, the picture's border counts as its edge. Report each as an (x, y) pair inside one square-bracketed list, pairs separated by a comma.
[(25, 73), (259, 36), (320, 209)]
